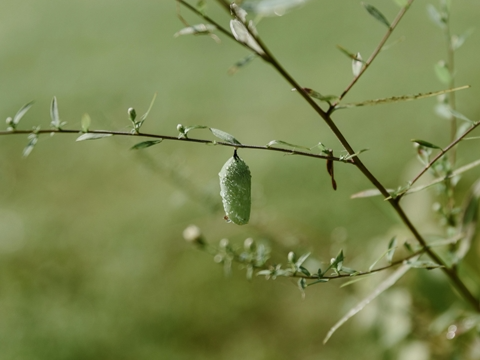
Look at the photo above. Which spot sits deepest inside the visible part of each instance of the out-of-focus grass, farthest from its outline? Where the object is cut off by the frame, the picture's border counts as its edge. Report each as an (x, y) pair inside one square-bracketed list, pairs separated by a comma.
[(92, 263)]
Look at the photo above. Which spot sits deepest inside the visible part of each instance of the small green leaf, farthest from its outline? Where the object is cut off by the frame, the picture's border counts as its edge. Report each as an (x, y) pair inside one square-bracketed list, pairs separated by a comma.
[(92, 136), (407, 246), (368, 193), (20, 113), (354, 280), (392, 245), (442, 72), (271, 8), (145, 144), (349, 271), (357, 65), (302, 284), (376, 14), (264, 273), (32, 141), (280, 142), (460, 116), (302, 259), (183, 131), (337, 263), (304, 271), (351, 55), (242, 63), (426, 144), (429, 265), (222, 135), (349, 156), (242, 35), (316, 95), (54, 114), (144, 116), (194, 127), (435, 16), (238, 12), (86, 121), (201, 5), (458, 40), (132, 114), (196, 29), (318, 281)]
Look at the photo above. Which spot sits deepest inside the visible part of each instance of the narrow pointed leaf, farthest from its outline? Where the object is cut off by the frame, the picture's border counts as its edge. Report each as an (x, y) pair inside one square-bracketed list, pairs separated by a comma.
[(357, 65), (384, 285), (371, 267), (222, 135), (280, 142), (316, 95), (92, 136), (238, 12), (305, 271), (372, 10), (196, 29), (429, 265), (242, 63), (460, 116), (145, 144), (368, 193), (458, 40), (86, 121), (55, 117), (269, 8), (144, 116), (241, 34), (351, 55), (435, 16), (353, 281), (302, 259), (442, 72), (194, 127), (349, 156), (426, 144), (32, 141), (391, 249), (20, 113)]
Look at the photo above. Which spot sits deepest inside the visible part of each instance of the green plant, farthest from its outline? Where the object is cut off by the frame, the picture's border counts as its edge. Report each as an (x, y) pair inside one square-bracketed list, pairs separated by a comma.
[(458, 223)]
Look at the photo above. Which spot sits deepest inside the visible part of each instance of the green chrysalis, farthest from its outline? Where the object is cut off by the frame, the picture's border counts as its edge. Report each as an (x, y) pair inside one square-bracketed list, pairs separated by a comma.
[(235, 190)]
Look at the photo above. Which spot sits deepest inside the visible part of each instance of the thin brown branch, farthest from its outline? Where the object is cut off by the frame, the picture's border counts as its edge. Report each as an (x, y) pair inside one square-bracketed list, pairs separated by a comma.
[(372, 57), (174, 138), (436, 158)]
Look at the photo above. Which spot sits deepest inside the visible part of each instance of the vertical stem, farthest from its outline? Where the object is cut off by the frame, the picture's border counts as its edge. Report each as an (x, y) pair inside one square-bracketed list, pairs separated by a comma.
[(451, 96)]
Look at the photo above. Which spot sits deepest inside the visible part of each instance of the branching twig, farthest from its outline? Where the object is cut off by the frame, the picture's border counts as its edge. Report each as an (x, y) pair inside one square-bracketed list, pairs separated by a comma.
[(436, 158), (213, 250), (174, 138), (374, 54)]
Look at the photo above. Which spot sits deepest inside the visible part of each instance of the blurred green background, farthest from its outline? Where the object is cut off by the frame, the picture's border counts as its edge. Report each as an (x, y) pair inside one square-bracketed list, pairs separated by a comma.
[(92, 260)]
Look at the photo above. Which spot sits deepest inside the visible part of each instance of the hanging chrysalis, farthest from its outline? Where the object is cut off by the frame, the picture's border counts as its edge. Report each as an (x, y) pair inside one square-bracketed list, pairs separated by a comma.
[(235, 190)]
